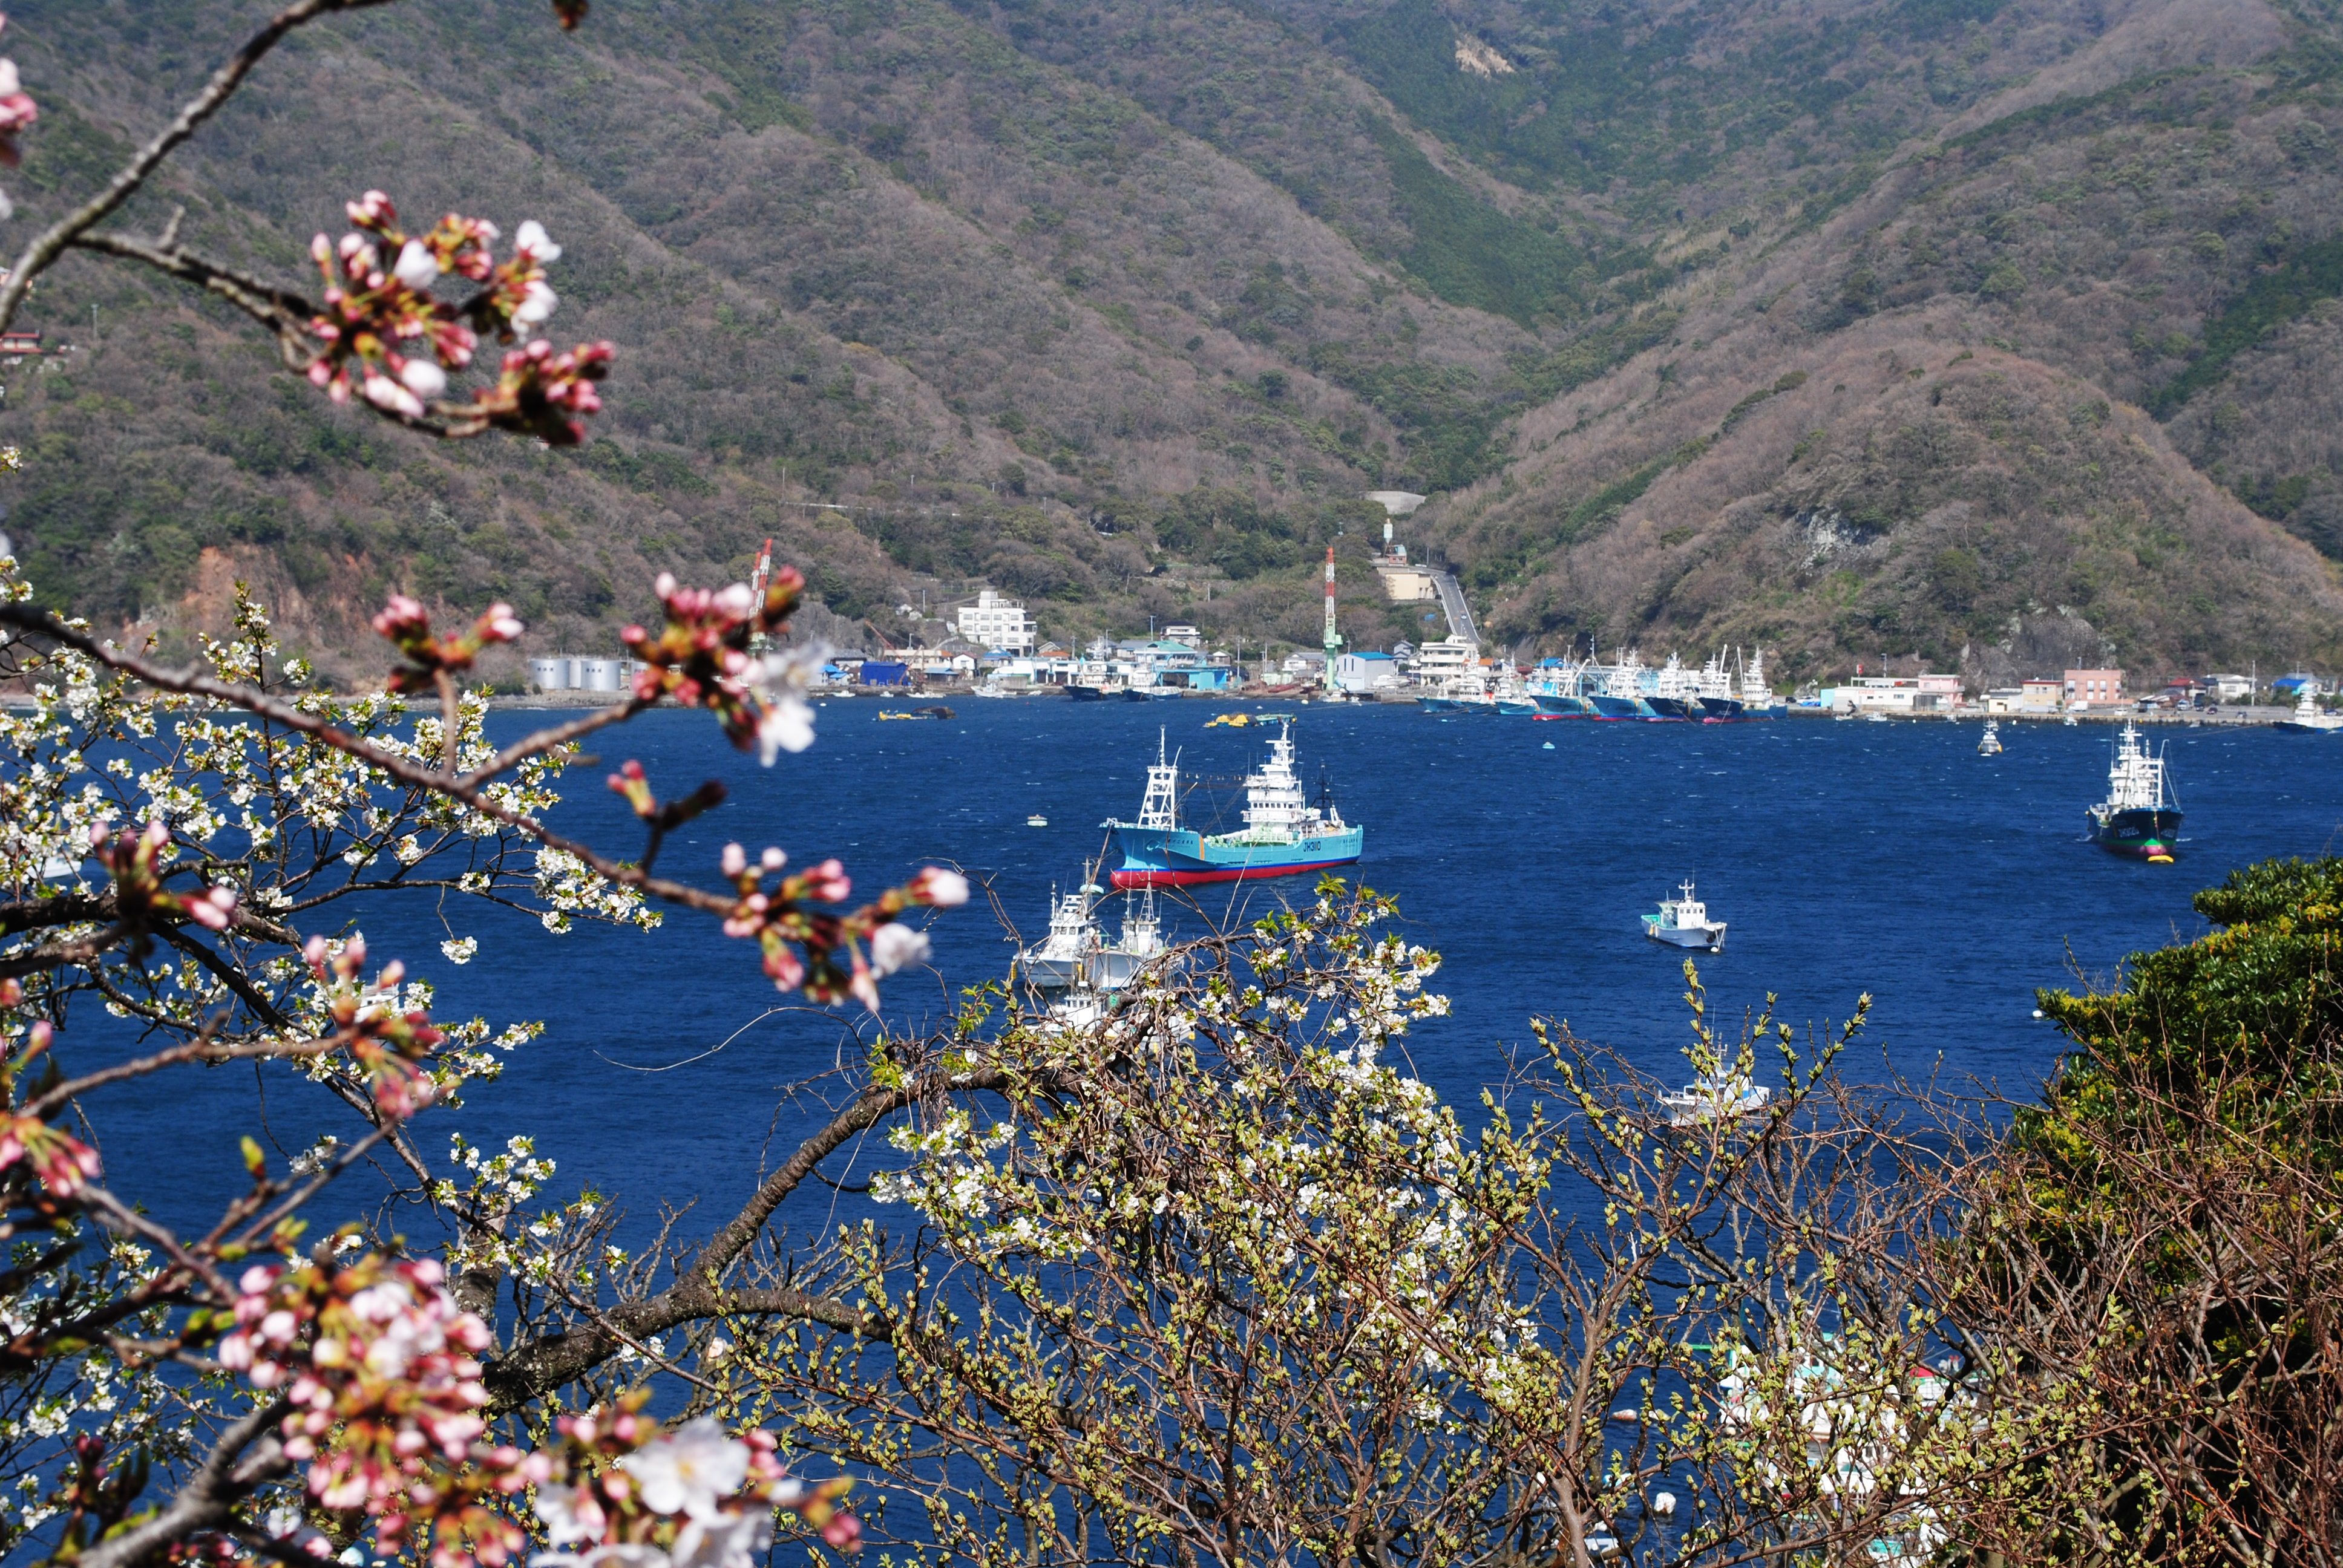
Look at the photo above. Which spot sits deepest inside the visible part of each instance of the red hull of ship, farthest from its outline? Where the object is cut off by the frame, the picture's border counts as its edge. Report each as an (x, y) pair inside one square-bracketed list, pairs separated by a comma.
[(1124, 881)]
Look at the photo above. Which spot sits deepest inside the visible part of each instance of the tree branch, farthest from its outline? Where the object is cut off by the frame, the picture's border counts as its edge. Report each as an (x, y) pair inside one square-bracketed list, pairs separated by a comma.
[(208, 1500), (43, 252)]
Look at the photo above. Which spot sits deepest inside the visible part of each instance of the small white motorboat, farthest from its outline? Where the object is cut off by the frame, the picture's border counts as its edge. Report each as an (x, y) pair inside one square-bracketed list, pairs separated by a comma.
[(1716, 1098), (1989, 743), (1037, 820), (1683, 923)]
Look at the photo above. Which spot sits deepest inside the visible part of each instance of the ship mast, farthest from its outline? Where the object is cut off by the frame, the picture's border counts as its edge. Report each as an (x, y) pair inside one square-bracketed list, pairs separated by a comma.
[(1159, 807), (1333, 637)]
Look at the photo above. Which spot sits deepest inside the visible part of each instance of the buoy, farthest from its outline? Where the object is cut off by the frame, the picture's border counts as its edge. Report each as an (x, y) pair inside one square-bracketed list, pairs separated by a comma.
[(1625, 1417), (2038, 1012), (1663, 1503)]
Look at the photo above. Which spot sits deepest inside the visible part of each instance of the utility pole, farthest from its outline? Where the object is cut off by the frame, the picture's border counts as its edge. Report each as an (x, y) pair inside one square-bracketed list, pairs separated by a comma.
[(1333, 637)]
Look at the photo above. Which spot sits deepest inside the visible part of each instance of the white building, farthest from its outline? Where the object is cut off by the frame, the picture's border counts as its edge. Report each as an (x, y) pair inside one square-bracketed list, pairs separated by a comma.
[(2041, 697), (1442, 660), (1366, 673), (996, 622), (2230, 687), (1896, 694)]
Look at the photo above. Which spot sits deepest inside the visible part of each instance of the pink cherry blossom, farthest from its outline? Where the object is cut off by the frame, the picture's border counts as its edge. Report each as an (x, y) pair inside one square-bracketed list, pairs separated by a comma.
[(894, 945), (416, 268), (939, 887)]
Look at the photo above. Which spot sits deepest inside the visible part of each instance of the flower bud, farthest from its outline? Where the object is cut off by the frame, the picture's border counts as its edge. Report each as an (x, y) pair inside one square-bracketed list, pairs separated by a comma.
[(938, 887), (423, 378), (416, 268)]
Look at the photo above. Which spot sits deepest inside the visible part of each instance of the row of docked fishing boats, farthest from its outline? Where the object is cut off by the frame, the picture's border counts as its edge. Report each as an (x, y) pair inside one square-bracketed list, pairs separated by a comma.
[(1624, 690)]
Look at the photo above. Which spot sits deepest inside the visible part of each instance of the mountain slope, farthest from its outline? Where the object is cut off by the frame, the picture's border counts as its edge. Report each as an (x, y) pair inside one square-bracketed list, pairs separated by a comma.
[(1119, 305)]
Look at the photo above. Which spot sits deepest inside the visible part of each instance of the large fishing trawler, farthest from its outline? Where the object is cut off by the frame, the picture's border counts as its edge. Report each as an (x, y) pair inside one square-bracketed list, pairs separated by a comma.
[(1284, 834), (2139, 815)]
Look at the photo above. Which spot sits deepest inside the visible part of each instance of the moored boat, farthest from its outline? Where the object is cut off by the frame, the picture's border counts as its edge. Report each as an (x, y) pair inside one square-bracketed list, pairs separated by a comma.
[(1683, 923), (1721, 1097), (1758, 699), (2139, 816), (1617, 689), (1675, 692), (1719, 705), (1066, 957), (2307, 719), (1284, 835)]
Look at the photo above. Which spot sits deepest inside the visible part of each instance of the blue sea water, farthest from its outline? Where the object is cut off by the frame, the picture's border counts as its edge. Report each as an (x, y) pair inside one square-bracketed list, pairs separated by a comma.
[(1847, 858)]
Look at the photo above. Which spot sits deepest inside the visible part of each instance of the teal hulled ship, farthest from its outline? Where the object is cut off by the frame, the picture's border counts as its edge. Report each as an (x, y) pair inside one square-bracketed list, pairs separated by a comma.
[(1284, 834), (2139, 815)]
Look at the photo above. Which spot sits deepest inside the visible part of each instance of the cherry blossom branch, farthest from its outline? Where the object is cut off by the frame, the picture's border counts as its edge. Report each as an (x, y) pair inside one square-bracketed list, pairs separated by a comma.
[(200, 1049), (193, 682), (63, 955), (284, 312), (43, 252), (561, 735), (232, 977), (208, 1500), (538, 1366)]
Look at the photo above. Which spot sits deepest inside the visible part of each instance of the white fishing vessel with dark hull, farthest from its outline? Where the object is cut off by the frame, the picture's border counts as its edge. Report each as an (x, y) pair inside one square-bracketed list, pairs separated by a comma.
[(2140, 815)]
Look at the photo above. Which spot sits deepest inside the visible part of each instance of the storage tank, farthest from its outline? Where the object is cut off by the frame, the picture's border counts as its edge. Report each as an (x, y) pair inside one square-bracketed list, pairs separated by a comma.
[(601, 674), (553, 674)]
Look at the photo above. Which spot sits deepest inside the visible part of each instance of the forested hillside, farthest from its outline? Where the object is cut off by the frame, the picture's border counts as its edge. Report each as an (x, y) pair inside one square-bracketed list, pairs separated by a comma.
[(1941, 329)]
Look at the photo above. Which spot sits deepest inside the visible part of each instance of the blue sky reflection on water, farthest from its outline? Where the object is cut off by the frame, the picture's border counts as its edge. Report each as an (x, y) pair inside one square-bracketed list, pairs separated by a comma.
[(1847, 857)]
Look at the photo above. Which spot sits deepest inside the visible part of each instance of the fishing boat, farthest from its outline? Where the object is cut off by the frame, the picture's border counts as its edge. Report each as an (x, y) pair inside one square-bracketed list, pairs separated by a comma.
[(1715, 1098), (2139, 815), (2307, 718), (1683, 923), (1076, 955), (1989, 743), (1714, 689), (1066, 957), (1674, 692), (1758, 699), (1617, 689), (1139, 942), (1080, 692), (1284, 835)]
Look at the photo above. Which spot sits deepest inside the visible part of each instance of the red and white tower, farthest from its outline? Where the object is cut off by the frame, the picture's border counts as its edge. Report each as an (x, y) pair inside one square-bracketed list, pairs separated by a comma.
[(1333, 637), (758, 581)]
